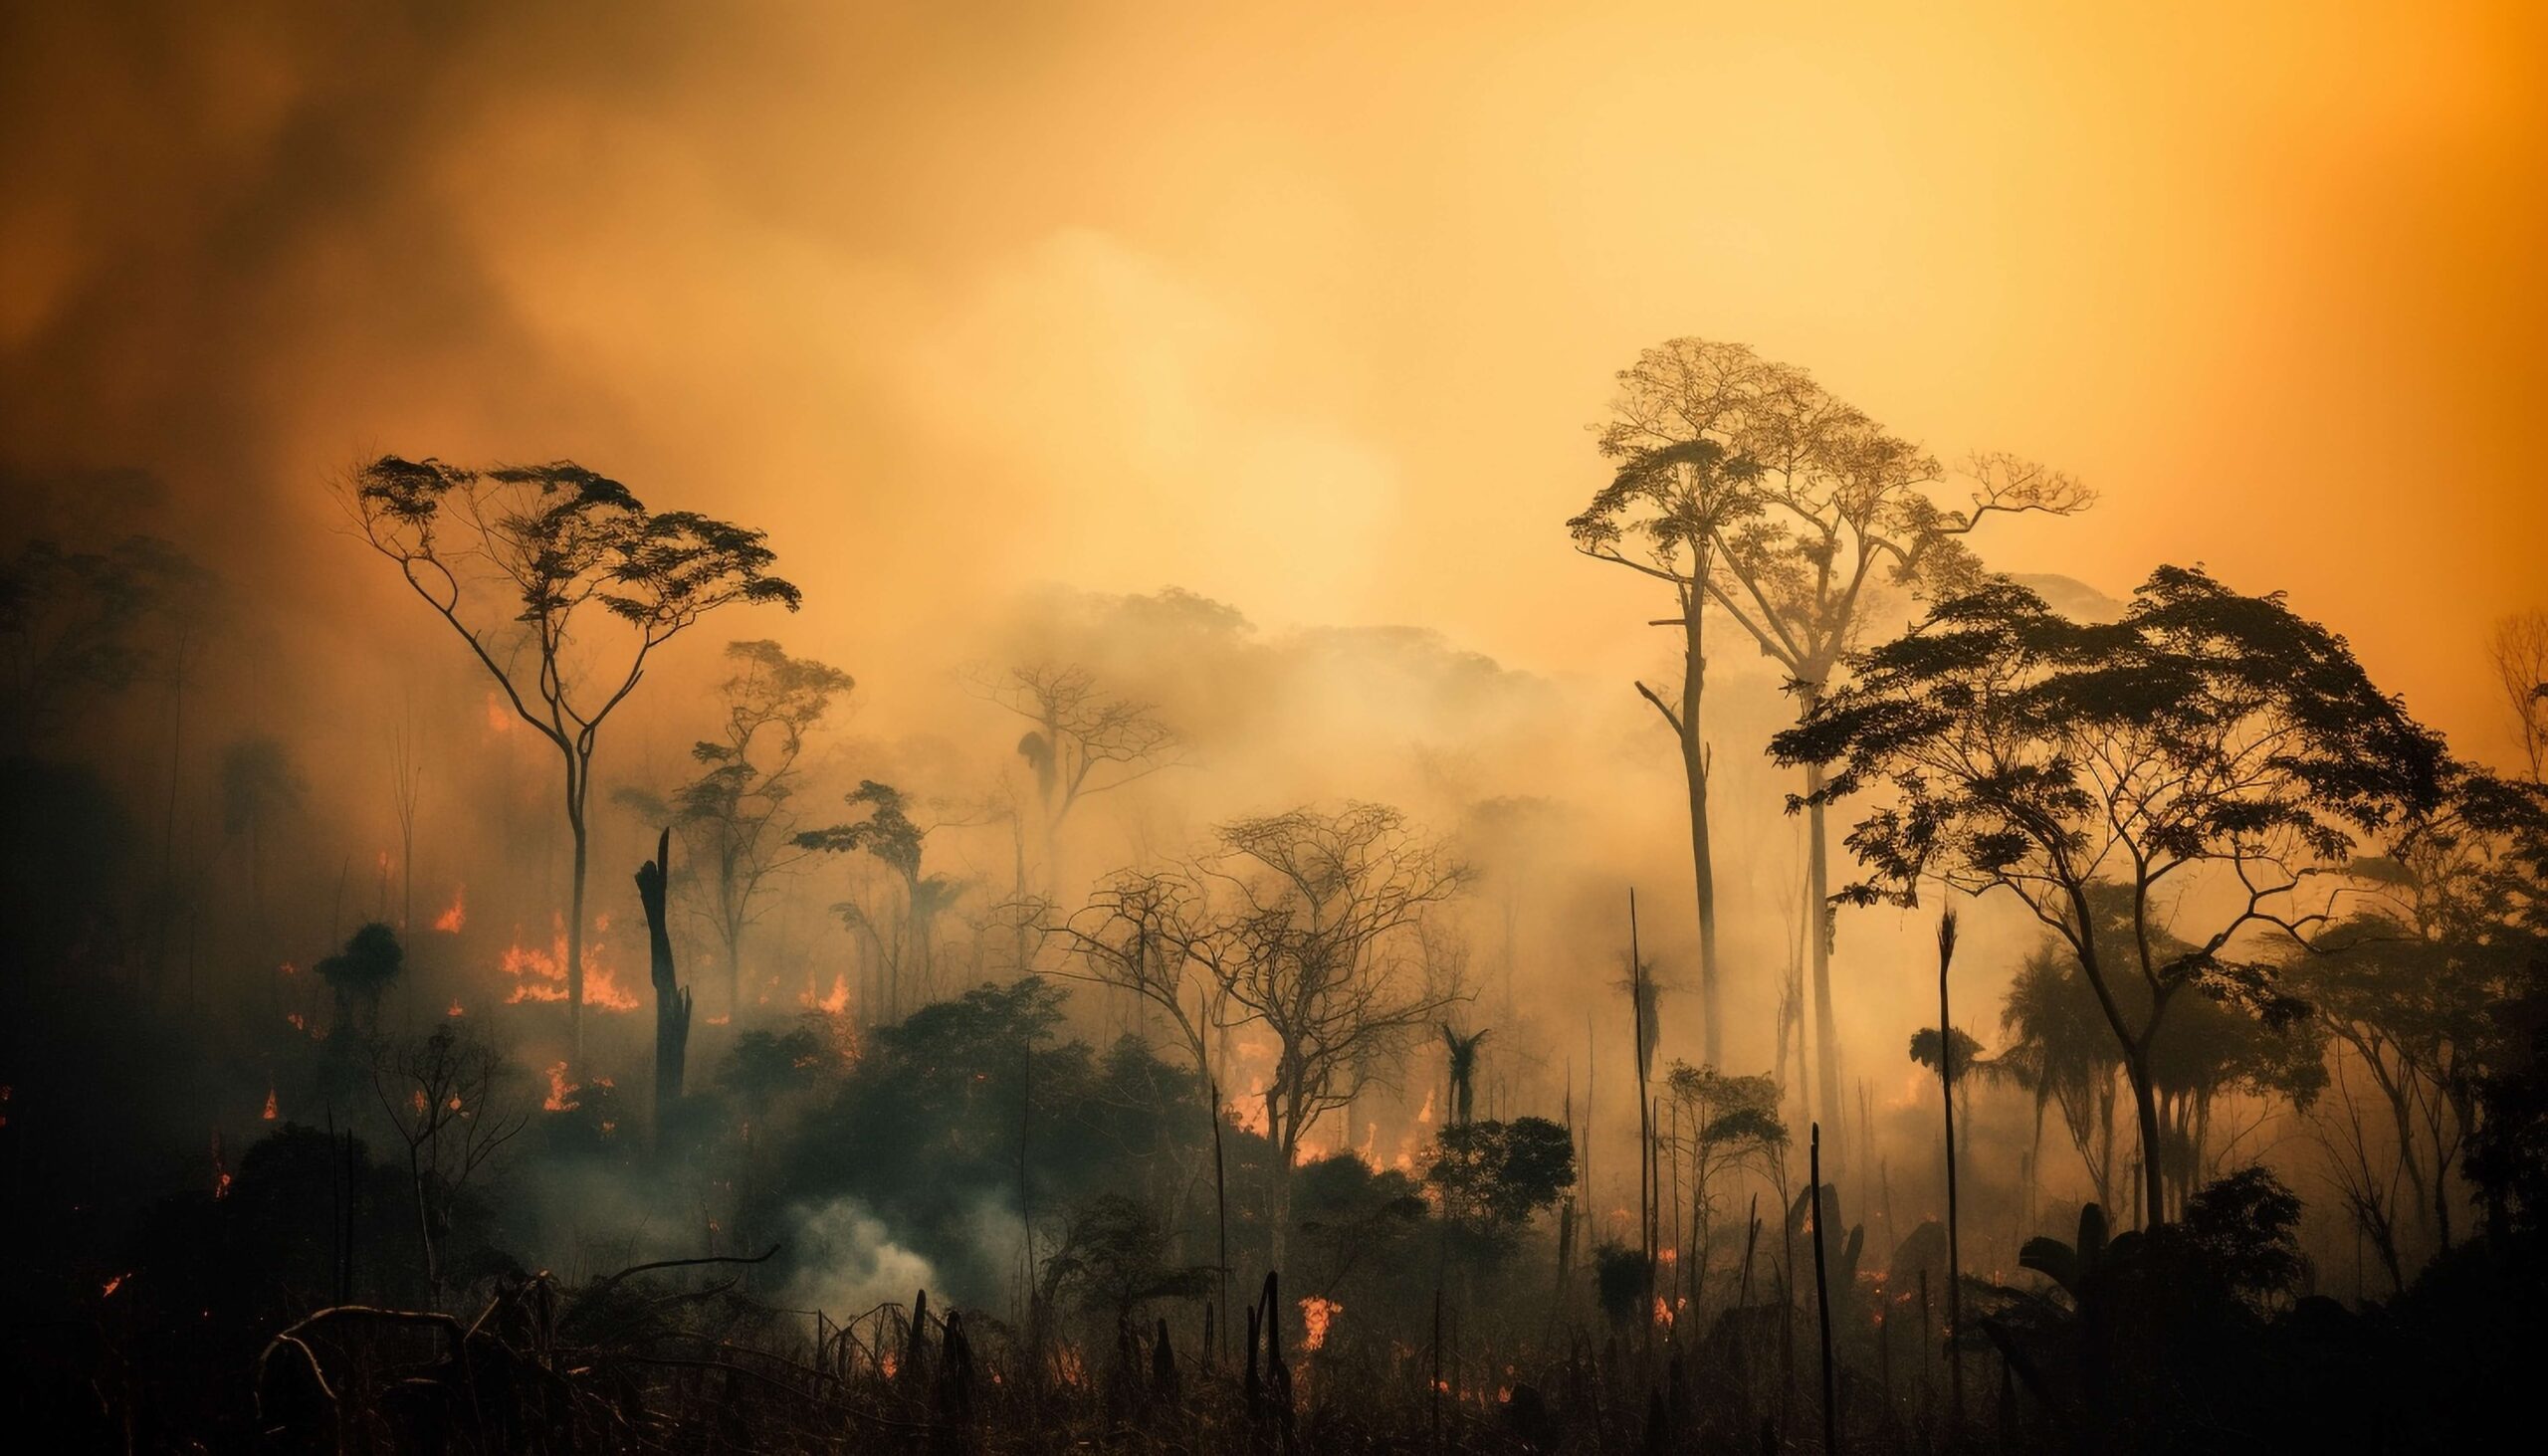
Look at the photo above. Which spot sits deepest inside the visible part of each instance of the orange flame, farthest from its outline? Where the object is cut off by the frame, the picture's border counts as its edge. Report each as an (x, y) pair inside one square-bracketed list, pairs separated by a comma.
[(831, 1005), (541, 974), (456, 1008), (1315, 1314), (561, 1092), (270, 1105), (115, 1284), (450, 921)]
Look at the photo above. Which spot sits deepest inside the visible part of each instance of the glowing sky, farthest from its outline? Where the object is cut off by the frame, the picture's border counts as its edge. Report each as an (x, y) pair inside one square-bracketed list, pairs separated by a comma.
[(1305, 307)]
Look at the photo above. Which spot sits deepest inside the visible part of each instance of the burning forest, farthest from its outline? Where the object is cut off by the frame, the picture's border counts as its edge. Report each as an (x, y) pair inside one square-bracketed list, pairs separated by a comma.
[(867, 729)]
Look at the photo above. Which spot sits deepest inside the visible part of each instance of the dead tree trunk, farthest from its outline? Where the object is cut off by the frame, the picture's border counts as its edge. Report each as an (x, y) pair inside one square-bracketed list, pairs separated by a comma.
[(672, 999)]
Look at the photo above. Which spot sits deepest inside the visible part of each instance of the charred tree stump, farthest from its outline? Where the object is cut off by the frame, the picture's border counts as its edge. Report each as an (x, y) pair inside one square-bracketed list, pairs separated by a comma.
[(672, 999), (1822, 1293), (1166, 1386)]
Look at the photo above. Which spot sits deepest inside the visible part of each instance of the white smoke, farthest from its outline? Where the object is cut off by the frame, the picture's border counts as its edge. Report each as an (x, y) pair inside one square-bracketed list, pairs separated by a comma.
[(849, 1262)]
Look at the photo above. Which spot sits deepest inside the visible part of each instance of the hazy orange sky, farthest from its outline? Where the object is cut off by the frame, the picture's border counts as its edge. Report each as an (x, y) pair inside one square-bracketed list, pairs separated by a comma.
[(1305, 307)]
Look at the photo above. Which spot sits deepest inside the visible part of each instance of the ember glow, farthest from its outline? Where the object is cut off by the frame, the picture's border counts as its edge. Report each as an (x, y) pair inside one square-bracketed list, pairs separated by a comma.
[(562, 1091), (1315, 1316), (456, 915)]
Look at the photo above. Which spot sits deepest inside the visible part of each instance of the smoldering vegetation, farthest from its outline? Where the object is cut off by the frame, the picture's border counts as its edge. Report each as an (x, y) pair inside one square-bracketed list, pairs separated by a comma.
[(2042, 1019)]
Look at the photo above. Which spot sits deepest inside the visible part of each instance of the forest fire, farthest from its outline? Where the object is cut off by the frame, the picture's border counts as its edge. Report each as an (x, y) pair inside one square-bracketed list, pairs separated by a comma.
[(1315, 1316), (1175, 669), (540, 972), (562, 1091)]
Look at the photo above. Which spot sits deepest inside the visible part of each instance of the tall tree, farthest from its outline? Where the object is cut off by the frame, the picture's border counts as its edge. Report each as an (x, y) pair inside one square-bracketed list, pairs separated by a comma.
[(734, 817), (892, 838), (1082, 741), (1756, 492), (2415, 985), (1667, 505), (2205, 737), (532, 566)]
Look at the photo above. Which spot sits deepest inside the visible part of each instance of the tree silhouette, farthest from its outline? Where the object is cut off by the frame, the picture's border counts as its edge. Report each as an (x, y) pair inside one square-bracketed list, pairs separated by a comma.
[(447, 1098), (524, 563), (1084, 740), (1459, 1053), (673, 1000), (734, 817), (1755, 492), (895, 840), (1494, 1176), (2518, 651), (2204, 732), (360, 973), (2414, 985), (1733, 1122), (1305, 940)]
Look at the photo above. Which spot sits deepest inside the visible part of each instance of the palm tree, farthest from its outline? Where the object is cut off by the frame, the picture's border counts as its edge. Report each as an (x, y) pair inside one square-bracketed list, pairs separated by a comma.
[(2059, 1049)]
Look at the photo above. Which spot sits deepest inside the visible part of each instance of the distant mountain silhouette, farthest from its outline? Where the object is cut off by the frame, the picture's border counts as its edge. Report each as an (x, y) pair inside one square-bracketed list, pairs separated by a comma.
[(2070, 596)]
